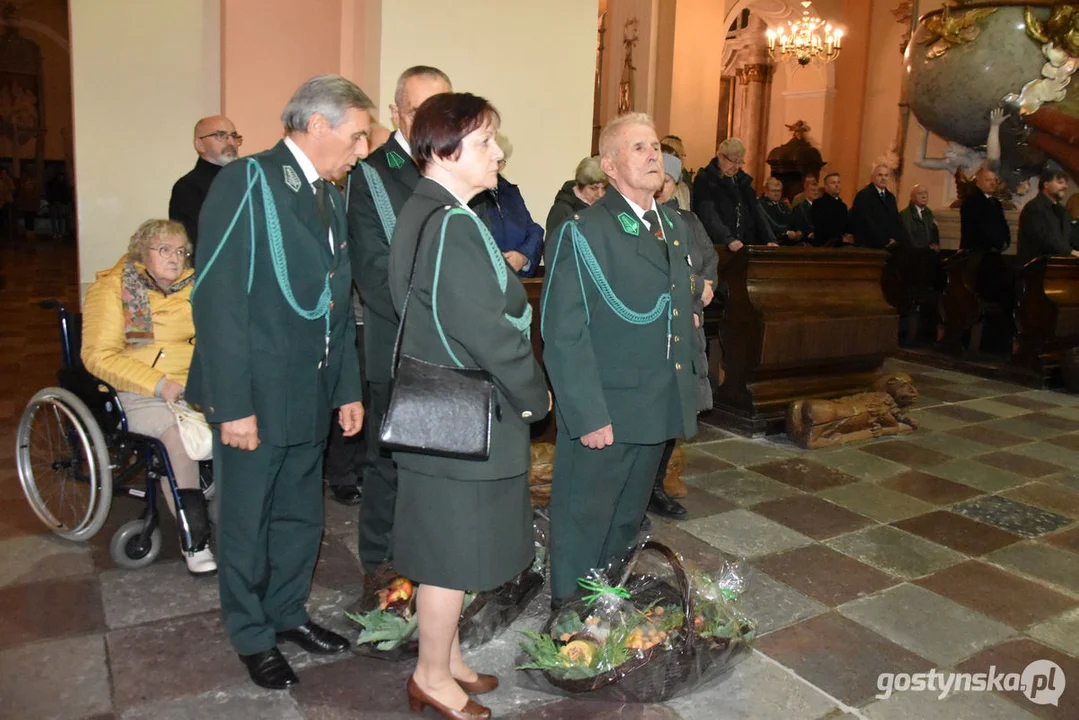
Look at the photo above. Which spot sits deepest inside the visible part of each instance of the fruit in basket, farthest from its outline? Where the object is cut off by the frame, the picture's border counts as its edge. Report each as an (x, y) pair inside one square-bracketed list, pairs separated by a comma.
[(580, 651)]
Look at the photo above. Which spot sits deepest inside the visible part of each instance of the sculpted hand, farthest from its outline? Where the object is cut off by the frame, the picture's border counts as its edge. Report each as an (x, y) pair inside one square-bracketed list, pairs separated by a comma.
[(242, 434), (515, 259), (709, 294), (598, 439), (997, 117), (172, 391), (351, 418), (735, 245)]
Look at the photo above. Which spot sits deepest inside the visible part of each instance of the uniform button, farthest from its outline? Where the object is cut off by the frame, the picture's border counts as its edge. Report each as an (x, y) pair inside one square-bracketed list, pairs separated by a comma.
[(676, 243), (211, 409), (331, 304), (672, 287), (343, 245), (319, 364), (677, 339), (331, 274), (674, 312), (678, 366), (526, 414)]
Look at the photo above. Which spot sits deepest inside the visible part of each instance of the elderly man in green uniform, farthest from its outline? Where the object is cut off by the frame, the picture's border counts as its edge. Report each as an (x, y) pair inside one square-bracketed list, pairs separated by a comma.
[(618, 332), (378, 189), (276, 352)]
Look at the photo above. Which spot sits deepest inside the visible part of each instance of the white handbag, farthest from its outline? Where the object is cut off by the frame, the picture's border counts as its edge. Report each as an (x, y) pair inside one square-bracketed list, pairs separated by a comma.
[(194, 431)]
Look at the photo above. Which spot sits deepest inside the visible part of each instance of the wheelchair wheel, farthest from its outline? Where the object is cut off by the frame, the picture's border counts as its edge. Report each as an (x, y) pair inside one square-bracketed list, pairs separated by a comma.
[(126, 550), (63, 464)]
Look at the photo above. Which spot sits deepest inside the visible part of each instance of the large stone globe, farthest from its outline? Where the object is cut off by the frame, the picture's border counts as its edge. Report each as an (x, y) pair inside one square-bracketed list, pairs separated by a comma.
[(952, 95)]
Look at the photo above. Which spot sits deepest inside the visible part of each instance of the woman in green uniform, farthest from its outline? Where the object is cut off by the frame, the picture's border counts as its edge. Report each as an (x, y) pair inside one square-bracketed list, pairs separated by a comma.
[(461, 524)]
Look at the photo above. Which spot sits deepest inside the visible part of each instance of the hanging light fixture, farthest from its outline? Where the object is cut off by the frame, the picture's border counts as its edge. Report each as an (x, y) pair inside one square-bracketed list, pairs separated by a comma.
[(806, 39)]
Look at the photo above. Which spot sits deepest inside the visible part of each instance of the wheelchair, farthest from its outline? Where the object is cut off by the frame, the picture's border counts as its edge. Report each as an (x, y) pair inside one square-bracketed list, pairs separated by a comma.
[(74, 453)]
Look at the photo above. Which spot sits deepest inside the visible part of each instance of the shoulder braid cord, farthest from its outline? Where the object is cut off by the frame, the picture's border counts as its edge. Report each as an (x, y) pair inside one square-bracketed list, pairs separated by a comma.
[(381, 200), (523, 323), (255, 174), (582, 254)]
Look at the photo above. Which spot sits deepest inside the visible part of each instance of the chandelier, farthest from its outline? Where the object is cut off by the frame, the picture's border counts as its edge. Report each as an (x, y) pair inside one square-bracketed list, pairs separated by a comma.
[(802, 40)]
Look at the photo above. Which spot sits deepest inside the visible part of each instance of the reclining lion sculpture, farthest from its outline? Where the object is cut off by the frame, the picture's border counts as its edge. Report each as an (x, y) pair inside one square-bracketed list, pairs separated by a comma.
[(815, 423)]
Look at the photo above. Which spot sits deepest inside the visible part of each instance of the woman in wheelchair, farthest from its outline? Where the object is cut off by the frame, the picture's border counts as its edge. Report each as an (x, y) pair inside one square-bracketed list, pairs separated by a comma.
[(138, 335)]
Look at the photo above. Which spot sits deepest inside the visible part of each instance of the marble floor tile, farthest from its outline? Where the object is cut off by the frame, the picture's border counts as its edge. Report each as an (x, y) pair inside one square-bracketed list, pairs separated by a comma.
[(1027, 403), (1052, 420), (1068, 442), (839, 656), (1012, 516), (957, 532), (877, 502), (696, 552), (997, 594), (774, 605), (55, 680), (929, 421), (743, 487), (913, 705), (1041, 562), (1051, 498), (700, 504), (1013, 656), (33, 558), (354, 687), (988, 436), (158, 592), (993, 407), (709, 433), (241, 702), (1068, 479), (1061, 632), (146, 660), (756, 689), (804, 474), (340, 519), (17, 519), (699, 462), (852, 461), (49, 609), (1056, 397), (964, 414), (599, 710), (955, 380), (950, 445), (1067, 539), (950, 394), (1022, 426), (926, 623), (337, 568), (1049, 452), (929, 488), (745, 453), (744, 534), (895, 552), (1067, 412), (979, 476), (995, 388), (812, 516), (906, 453), (824, 574)]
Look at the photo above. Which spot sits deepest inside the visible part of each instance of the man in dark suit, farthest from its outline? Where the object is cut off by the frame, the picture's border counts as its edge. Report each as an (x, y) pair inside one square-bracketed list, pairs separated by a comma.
[(921, 229), (218, 144), (276, 353), (779, 213), (830, 222), (624, 383), (982, 225), (874, 215), (378, 189), (1044, 224), (802, 214)]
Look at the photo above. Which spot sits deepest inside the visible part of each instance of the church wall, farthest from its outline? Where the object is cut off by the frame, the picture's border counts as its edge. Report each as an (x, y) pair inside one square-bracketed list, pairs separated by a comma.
[(801, 94), (142, 74), (696, 72), (539, 71), (883, 84)]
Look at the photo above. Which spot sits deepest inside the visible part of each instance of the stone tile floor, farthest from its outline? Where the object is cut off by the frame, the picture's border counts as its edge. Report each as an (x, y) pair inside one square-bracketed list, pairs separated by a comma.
[(954, 548)]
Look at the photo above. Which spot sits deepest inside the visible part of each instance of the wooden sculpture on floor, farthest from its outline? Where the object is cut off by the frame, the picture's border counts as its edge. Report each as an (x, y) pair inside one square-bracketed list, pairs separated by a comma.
[(814, 423), (539, 481)]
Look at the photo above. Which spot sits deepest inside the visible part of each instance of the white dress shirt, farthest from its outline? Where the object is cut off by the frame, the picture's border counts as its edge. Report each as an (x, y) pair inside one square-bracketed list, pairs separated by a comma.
[(310, 174)]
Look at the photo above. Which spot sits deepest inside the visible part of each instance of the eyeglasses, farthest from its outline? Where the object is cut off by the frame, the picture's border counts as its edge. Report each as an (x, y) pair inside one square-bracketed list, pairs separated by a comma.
[(166, 252), (732, 161), (223, 136)]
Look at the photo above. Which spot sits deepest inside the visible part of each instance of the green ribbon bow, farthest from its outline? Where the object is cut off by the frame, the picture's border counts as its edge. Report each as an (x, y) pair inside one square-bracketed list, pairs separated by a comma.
[(599, 590)]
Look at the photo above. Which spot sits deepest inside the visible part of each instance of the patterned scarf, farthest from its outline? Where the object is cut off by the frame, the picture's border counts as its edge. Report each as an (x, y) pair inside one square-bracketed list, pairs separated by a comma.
[(135, 298)]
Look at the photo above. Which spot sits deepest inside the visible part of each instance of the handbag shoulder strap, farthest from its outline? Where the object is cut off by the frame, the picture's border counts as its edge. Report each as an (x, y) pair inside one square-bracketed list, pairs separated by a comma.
[(408, 293)]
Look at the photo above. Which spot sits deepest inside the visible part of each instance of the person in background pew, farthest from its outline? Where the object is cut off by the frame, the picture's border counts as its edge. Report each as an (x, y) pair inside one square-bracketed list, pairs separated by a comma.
[(725, 202), (982, 225), (779, 213), (519, 237), (917, 218), (588, 185), (802, 214), (683, 194), (875, 214), (830, 218), (1044, 225)]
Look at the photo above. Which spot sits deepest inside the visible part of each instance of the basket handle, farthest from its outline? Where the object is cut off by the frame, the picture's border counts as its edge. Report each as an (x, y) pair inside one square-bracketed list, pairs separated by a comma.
[(675, 561)]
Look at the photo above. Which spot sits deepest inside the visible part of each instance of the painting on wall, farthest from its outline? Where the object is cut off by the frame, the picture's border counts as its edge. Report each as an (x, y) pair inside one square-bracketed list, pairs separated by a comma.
[(725, 126)]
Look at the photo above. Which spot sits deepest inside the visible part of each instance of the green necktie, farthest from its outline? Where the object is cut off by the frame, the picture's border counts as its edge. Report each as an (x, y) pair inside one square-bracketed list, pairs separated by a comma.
[(652, 219), (322, 202)]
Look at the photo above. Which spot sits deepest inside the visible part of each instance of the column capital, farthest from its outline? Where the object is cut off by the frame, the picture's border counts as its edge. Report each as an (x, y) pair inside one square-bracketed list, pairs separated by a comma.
[(755, 72)]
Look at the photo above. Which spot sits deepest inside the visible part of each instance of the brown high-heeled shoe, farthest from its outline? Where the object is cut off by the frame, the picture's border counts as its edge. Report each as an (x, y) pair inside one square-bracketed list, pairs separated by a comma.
[(479, 686), (417, 699)]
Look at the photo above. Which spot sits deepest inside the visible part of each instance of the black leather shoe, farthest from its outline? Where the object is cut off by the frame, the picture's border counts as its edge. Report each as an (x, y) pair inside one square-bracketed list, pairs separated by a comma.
[(664, 505), (315, 639), (347, 494), (270, 669)]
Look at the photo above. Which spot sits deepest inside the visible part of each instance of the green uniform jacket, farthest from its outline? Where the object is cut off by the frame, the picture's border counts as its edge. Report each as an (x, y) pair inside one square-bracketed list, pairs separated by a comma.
[(255, 355), (471, 309), (605, 370), (370, 250)]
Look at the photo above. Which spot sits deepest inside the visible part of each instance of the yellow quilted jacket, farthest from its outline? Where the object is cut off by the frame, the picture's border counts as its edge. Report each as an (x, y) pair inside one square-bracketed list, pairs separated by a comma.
[(136, 368)]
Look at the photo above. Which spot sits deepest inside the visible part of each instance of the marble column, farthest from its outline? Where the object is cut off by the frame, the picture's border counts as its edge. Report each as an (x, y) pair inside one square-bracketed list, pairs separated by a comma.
[(755, 85)]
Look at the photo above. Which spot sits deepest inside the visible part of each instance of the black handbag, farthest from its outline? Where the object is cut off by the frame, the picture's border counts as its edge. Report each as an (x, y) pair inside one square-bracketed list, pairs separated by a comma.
[(436, 409)]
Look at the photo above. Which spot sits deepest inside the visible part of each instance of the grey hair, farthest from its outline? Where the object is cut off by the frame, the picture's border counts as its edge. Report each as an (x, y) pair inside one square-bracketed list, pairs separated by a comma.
[(606, 138), (732, 147), (589, 172), (330, 96), (152, 230), (417, 71)]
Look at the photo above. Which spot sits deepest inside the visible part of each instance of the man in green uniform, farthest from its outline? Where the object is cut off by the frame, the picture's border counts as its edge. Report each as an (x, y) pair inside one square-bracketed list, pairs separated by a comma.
[(378, 190), (618, 332), (276, 352)]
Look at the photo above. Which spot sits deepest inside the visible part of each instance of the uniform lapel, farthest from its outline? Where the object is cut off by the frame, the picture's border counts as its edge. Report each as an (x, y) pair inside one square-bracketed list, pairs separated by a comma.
[(634, 230), (296, 196), (402, 168)]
